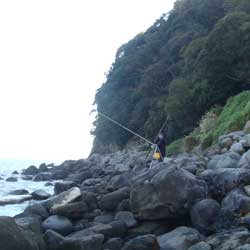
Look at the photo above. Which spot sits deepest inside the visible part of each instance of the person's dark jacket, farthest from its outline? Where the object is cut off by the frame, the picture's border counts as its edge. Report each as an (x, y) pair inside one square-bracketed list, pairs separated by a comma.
[(161, 143)]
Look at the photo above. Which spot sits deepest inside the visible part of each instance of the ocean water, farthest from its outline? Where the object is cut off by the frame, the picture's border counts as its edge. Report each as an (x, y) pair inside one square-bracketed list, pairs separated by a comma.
[(7, 166)]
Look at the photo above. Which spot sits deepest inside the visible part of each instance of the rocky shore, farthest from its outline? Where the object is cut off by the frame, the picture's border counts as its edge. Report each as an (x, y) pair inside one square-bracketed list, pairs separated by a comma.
[(116, 202)]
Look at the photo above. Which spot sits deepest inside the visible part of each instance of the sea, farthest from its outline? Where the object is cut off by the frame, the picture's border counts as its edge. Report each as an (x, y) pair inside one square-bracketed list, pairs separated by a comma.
[(7, 167)]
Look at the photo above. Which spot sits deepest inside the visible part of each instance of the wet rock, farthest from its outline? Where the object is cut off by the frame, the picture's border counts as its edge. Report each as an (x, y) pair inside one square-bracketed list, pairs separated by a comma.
[(59, 174), (15, 172), (59, 224), (32, 170), (19, 192), (43, 176), (179, 239), (36, 210), (63, 186), (43, 168), (40, 195), (205, 215), (119, 229), (145, 242), (14, 199), (170, 194), (245, 160), (126, 217), (110, 201), (11, 179)]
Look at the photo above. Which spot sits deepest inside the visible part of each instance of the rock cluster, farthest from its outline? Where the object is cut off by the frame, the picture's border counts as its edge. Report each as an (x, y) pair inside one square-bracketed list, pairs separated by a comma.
[(116, 202)]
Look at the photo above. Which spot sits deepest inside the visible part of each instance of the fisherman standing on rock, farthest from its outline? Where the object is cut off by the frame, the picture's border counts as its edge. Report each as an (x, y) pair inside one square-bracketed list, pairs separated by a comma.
[(161, 146)]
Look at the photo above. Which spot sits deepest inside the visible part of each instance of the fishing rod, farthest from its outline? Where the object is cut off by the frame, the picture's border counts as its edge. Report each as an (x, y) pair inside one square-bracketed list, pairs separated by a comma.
[(127, 129)]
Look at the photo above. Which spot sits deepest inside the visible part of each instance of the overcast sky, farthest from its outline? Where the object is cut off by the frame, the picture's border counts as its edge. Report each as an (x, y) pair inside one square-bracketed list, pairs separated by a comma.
[(53, 55)]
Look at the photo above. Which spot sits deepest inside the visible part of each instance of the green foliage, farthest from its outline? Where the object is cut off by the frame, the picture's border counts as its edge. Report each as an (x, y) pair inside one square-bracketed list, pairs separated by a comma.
[(175, 147), (190, 60), (233, 117)]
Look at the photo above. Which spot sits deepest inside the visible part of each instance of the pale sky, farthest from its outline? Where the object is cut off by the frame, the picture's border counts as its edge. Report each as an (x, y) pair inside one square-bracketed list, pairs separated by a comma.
[(53, 55)]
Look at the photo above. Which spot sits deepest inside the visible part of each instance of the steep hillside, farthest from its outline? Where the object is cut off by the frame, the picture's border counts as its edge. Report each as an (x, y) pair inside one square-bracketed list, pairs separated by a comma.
[(191, 59)]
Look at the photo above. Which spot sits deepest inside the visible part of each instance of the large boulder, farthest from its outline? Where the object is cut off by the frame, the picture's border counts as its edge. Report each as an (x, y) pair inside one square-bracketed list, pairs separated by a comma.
[(245, 160), (228, 160), (74, 210), (32, 170), (43, 176), (40, 195), (59, 224), (223, 180), (145, 242), (205, 215), (179, 239), (110, 201), (13, 237), (62, 199), (169, 194)]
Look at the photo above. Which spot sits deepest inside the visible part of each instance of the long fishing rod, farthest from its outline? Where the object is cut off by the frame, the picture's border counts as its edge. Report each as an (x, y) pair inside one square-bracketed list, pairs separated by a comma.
[(127, 129)]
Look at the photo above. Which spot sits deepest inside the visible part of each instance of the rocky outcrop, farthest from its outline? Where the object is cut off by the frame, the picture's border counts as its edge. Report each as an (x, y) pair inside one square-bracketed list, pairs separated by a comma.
[(168, 194), (116, 202)]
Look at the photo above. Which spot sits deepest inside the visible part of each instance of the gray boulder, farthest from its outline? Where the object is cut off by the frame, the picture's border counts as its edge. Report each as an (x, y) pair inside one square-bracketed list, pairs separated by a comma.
[(11, 179), (228, 160), (110, 201), (126, 217), (40, 195), (204, 215), (245, 160), (43, 176), (13, 237), (63, 186), (179, 239), (169, 194), (19, 192), (145, 242), (105, 219), (59, 224), (74, 210), (223, 180), (32, 170)]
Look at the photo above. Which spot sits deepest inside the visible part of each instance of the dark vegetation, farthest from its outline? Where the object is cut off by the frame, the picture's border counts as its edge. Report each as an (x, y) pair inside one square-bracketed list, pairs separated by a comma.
[(191, 59)]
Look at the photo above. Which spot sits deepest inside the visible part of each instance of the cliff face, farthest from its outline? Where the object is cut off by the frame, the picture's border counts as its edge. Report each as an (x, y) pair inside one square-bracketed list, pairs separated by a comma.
[(186, 62)]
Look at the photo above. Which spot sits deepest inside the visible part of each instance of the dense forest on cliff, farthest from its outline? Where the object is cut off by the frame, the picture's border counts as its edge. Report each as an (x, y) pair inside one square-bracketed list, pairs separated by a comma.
[(189, 60)]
